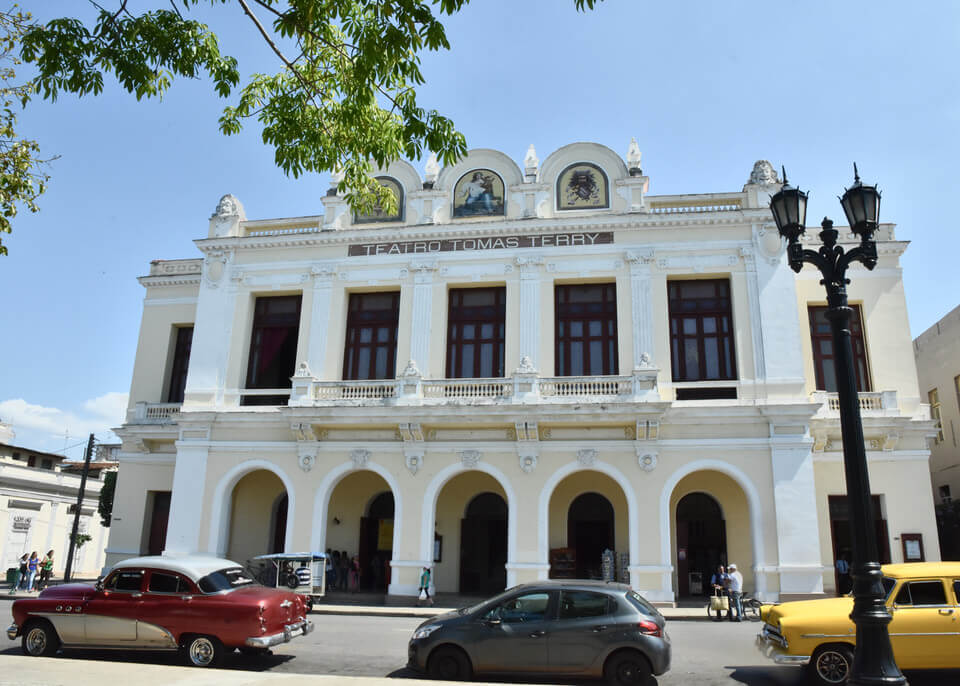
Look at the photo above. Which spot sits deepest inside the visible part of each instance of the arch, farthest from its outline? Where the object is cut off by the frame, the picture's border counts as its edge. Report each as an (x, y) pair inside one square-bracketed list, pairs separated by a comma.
[(699, 520), (221, 509), (483, 543), (543, 508), (378, 506), (479, 193), (432, 492), (753, 503), (481, 158), (591, 529), (377, 216), (321, 501)]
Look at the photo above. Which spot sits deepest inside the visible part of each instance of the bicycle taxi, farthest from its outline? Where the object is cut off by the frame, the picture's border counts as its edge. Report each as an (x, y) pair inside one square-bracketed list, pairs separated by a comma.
[(301, 572)]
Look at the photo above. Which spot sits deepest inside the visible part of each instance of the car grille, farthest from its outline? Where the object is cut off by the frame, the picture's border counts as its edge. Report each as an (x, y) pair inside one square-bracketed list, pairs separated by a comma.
[(773, 634)]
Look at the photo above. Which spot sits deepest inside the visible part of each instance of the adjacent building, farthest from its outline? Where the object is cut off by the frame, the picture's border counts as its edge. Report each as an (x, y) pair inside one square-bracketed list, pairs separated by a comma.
[(937, 352), (519, 373), (38, 499)]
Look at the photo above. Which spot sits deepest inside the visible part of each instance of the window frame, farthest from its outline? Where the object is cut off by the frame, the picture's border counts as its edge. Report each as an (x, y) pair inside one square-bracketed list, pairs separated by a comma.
[(262, 321), (180, 363), (861, 360), (357, 319), (566, 313), (908, 583), (181, 581), (676, 313), (609, 606), (459, 316), (120, 572)]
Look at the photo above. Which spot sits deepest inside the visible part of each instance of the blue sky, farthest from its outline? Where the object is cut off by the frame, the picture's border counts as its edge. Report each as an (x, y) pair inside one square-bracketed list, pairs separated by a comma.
[(707, 88)]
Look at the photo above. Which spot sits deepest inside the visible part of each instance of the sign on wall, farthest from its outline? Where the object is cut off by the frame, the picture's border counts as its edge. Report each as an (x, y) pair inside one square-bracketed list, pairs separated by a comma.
[(549, 240)]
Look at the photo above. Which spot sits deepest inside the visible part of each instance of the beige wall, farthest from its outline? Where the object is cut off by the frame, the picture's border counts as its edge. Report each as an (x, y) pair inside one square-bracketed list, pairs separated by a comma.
[(576, 485), (252, 515), (155, 348), (130, 526), (349, 502)]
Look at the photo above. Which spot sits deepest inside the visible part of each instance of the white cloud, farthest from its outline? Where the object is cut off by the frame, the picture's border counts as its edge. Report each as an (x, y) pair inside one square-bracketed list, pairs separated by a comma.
[(44, 428)]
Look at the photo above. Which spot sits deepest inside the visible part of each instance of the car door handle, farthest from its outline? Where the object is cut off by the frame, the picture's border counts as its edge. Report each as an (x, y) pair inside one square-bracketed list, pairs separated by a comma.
[(945, 611), (537, 634), (598, 629), (136, 595)]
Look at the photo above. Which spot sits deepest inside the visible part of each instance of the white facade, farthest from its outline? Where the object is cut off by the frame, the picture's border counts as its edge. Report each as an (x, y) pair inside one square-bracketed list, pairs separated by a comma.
[(37, 501), (763, 444)]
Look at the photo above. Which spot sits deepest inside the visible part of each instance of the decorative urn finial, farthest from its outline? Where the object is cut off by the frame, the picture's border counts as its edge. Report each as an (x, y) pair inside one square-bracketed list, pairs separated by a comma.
[(530, 163), (633, 158), (431, 171)]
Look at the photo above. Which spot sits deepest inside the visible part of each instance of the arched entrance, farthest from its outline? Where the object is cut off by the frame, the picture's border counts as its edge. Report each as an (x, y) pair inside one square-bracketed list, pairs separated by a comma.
[(483, 545), (588, 514), (258, 516), (360, 521), (376, 541), (701, 542), (590, 531)]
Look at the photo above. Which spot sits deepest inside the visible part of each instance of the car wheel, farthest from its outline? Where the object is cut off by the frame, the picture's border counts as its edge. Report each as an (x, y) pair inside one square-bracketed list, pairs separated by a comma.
[(449, 664), (292, 581), (203, 651), (831, 664), (627, 668), (40, 639)]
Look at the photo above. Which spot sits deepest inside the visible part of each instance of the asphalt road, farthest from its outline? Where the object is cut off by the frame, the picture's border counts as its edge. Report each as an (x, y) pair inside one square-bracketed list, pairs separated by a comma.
[(704, 653)]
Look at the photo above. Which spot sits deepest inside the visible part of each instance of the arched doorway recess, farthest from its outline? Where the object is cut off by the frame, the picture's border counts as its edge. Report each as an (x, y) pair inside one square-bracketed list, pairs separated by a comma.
[(258, 516), (483, 545), (590, 531), (376, 541), (701, 542)]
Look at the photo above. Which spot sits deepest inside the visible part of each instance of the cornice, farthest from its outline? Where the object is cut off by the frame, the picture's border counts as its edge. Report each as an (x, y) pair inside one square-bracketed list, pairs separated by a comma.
[(169, 281)]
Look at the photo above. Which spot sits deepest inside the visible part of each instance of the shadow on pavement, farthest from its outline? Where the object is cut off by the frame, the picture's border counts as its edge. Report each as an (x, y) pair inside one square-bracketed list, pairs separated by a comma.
[(248, 663), (795, 676), (407, 673)]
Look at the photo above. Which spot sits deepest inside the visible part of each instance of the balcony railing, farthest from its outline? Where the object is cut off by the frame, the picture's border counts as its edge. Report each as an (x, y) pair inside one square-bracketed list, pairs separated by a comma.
[(524, 386), (155, 413), (880, 403)]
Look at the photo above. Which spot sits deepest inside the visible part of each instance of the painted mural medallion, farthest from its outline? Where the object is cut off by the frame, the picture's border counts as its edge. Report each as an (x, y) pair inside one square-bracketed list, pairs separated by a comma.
[(478, 193), (378, 215), (581, 187)]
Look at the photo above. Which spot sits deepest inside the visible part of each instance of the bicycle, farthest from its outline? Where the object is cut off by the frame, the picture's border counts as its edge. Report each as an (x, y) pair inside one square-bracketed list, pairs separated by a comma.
[(751, 608)]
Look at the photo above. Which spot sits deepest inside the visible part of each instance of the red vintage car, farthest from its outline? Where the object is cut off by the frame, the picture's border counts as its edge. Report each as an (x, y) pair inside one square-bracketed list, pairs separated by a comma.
[(203, 606)]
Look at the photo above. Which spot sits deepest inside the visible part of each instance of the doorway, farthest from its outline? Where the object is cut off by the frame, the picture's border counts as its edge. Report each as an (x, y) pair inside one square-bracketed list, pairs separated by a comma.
[(841, 536), (483, 545), (376, 543), (590, 531), (701, 542)]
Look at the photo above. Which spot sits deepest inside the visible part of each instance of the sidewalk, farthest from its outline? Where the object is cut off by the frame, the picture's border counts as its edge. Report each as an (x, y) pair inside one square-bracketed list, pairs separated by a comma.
[(52, 671)]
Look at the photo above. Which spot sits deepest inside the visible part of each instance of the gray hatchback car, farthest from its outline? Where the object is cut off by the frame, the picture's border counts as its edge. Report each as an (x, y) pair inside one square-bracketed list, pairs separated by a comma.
[(551, 628)]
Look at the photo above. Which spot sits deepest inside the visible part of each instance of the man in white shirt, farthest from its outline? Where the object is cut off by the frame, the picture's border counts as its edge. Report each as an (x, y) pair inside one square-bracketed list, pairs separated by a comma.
[(736, 591)]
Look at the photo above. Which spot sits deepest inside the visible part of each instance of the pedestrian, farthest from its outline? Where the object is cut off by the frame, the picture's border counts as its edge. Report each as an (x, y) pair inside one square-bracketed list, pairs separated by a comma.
[(329, 570), (335, 574), (424, 595), (46, 570), (719, 582), (736, 593), (843, 574), (376, 572), (343, 576), (354, 574), (21, 575), (33, 564)]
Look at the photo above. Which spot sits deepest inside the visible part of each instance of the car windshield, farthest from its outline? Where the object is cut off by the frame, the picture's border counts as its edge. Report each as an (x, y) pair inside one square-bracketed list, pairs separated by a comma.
[(225, 580)]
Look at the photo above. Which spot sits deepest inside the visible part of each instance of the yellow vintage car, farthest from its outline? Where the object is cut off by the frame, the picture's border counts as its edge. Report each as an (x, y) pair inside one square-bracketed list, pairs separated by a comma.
[(923, 599)]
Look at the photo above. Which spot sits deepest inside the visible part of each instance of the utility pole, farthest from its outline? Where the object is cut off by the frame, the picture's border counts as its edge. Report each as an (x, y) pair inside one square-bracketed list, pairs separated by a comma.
[(79, 506)]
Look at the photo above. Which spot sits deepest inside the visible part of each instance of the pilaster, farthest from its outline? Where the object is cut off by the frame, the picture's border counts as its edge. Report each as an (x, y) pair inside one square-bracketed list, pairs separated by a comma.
[(323, 276), (186, 500), (421, 329), (641, 306), (529, 330)]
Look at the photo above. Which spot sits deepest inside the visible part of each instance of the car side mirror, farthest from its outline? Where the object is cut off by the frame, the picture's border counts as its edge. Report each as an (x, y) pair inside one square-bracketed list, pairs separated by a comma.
[(99, 585)]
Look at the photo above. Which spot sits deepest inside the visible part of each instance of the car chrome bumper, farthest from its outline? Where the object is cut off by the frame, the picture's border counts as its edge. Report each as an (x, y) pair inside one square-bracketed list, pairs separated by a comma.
[(772, 647), (13, 631), (290, 631)]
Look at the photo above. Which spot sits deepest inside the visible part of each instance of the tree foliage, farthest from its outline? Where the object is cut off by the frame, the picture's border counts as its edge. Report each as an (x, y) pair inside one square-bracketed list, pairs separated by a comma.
[(22, 179), (344, 99), (105, 504)]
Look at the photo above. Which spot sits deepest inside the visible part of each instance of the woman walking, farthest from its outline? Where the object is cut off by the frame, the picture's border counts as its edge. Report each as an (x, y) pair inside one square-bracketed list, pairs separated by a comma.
[(21, 576), (46, 571), (425, 587), (33, 564)]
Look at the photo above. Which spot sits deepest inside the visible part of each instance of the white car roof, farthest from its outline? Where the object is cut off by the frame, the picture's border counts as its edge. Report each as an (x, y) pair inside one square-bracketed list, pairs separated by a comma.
[(193, 567)]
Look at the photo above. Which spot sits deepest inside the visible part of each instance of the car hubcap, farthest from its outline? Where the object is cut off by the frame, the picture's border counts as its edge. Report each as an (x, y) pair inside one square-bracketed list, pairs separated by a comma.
[(36, 641), (627, 673), (833, 667), (201, 652)]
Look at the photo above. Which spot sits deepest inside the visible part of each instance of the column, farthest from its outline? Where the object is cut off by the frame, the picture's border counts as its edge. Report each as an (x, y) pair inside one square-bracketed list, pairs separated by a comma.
[(323, 275), (756, 327), (422, 314), (795, 501), (209, 352), (529, 332), (186, 501), (641, 307)]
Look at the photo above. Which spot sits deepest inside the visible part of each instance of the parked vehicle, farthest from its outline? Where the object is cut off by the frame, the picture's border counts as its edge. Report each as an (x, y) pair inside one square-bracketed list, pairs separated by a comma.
[(303, 572), (580, 628), (922, 597), (202, 606)]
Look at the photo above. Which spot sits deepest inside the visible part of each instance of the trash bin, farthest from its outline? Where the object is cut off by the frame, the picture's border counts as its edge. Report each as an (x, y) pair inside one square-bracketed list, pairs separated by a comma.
[(11, 575)]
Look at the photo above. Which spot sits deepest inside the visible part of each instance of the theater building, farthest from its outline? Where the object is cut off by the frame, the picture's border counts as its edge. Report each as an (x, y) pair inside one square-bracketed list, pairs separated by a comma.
[(518, 370)]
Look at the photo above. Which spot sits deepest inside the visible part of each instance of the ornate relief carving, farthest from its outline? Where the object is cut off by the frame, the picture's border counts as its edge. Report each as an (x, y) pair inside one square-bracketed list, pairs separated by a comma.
[(647, 460), (820, 441), (307, 458), (413, 458), (303, 370), (769, 244), (469, 458), (545, 433), (528, 455), (304, 432), (360, 457), (639, 257), (526, 366), (215, 265), (587, 457), (890, 441), (411, 370)]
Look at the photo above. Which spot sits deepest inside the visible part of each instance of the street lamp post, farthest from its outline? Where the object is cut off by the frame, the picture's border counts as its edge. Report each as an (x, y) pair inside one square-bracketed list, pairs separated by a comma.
[(873, 662)]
